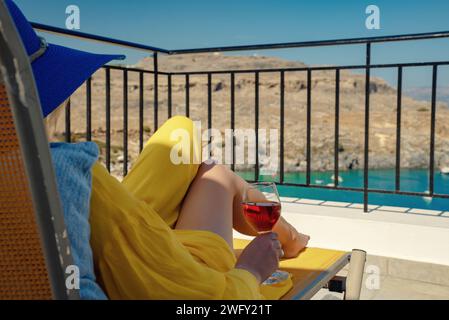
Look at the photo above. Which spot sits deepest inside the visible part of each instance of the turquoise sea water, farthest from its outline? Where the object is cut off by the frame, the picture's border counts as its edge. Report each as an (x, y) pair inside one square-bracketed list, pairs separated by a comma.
[(413, 180)]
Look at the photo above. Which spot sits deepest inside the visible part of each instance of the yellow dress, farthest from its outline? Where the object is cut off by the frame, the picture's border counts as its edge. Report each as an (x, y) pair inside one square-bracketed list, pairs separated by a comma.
[(137, 253)]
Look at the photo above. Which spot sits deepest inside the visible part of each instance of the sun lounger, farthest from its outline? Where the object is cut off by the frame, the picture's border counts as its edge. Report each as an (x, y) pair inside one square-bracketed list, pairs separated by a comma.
[(34, 248), (316, 268)]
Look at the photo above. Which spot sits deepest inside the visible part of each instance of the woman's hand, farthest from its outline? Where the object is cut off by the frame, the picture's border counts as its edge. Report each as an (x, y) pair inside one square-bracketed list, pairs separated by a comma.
[(261, 256)]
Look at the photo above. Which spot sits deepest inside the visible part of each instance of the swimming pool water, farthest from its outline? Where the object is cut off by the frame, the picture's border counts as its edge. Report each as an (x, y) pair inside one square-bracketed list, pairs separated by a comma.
[(413, 180)]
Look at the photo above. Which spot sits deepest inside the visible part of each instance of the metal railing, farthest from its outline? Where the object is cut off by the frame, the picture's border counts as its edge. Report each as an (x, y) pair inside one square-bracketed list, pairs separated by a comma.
[(367, 42)]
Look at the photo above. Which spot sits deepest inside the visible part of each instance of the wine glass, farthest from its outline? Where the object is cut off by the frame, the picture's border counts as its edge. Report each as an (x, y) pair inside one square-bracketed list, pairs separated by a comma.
[(262, 209)]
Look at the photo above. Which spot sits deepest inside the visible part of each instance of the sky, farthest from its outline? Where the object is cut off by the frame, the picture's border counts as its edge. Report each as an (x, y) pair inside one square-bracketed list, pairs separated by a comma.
[(177, 24)]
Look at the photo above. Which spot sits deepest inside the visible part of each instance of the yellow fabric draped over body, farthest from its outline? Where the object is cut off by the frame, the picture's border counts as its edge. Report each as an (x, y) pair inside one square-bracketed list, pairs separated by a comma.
[(137, 253)]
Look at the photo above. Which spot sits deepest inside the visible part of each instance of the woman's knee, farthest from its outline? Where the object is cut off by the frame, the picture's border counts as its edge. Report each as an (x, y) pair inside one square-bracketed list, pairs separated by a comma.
[(179, 122), (174, 124), (218, 173)]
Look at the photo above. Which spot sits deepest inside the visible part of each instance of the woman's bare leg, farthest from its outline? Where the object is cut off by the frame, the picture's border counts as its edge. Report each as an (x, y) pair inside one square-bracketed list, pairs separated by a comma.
[(213, 203), (209, 203)]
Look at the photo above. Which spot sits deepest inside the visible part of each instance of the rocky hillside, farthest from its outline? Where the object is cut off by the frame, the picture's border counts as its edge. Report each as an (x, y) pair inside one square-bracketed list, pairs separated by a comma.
[(415, 117)]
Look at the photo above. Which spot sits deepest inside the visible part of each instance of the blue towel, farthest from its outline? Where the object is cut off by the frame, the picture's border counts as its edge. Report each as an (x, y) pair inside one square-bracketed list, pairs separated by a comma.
[(73, 164)]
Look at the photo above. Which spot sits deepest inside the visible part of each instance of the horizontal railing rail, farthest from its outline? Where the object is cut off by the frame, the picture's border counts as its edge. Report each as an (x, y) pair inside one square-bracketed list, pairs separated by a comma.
[(309, 70), (97, 38), (270, 46)]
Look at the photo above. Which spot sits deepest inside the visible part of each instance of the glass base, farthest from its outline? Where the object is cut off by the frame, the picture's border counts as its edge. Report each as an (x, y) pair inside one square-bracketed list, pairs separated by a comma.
[(277, 277)]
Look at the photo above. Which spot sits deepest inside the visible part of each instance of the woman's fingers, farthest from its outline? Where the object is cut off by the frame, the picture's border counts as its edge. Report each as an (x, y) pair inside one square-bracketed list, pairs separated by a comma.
[(261, 256), (277, 245), (281, 254), (279, 249)]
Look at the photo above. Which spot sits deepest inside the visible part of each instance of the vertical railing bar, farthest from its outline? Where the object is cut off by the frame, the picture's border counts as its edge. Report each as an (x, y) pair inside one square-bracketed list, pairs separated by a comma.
[(125, 122), (169, 96), (209, 100), (367, 117), (309, 125), (187, 95), (156, 90), (432, 129), (209, 110), (68, 125), (398, 130), (282, 105), (256, 123), (233, 118), (337, 128), (141, 112), (89, 109), (108, 119)]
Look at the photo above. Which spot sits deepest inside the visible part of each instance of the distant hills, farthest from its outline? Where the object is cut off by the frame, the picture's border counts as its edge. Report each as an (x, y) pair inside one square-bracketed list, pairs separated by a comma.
[(415, 116), (424, 93)]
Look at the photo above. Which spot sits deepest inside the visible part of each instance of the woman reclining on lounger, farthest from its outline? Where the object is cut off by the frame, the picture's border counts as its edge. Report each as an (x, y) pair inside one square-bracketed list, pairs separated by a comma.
[(165, 232)]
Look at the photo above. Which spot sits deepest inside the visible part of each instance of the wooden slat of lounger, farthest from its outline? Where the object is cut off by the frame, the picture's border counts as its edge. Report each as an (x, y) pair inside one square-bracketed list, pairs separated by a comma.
[(311, 270)]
